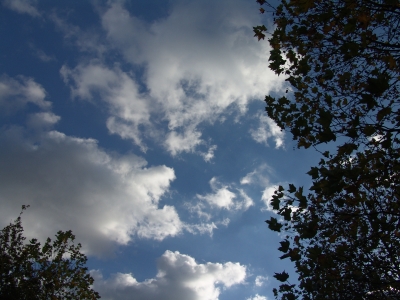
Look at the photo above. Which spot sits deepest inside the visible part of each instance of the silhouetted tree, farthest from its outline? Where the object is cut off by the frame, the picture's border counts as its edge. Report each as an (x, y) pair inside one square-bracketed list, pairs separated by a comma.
[(342, 63), (52, 271)]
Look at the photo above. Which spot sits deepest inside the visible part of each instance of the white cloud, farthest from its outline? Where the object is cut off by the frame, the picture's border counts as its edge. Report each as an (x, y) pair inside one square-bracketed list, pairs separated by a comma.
[(267, 129), (129, 109), (267, 196), (71, 183), (197, 68), (222, 197), (247, 179), (260, 280), (205, 228), (257, 176), (201, 228), (186, 142), (23, 6), (16, 93), (179, 277), (198, 209), (247, 201), (210, 153), (257, 297)]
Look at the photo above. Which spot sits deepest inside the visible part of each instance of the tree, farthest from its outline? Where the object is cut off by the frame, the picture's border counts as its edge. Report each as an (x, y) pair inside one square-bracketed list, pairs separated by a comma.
[(342, 63), (52, 271)]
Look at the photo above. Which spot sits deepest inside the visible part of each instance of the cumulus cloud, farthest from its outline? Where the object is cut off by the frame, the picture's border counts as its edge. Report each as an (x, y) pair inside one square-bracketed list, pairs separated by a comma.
[(23, 6), (71, 183), (196, 68), (179, 277), (222, 197), (15, 93), (267, 129)]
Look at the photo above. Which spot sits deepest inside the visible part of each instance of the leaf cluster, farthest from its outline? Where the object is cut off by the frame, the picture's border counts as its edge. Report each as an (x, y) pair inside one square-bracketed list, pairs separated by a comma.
[(341, 59), (53, 271)]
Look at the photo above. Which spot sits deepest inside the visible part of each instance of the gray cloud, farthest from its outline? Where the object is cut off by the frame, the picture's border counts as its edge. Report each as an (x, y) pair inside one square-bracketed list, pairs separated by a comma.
[(15, 93), (23, 6)]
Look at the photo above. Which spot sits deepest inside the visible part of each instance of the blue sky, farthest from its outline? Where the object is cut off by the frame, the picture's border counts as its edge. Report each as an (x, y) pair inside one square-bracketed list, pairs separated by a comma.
[(140, 125)]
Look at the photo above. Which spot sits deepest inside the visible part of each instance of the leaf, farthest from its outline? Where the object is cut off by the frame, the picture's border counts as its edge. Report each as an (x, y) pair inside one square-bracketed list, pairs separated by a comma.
[(314, 172), (391, 62), (284, 256), (275, 202), (286, 213), (326, 154), (282, 276), (369, 130), (294, 254), (259, 32), (273, 224), (347, 148), (284, 246), (383, 113), (292, 188), (378, 85)]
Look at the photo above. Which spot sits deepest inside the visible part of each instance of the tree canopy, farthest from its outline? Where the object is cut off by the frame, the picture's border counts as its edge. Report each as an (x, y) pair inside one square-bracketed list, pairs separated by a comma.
[(52, 271), (342, 63)]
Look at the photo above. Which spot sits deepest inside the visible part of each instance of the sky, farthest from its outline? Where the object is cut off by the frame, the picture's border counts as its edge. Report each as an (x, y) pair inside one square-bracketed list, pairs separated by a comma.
[(140, 125)]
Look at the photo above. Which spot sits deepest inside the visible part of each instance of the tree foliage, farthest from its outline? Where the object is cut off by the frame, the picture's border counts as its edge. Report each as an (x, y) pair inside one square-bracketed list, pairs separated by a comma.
[(52, 271), (341, 59)]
